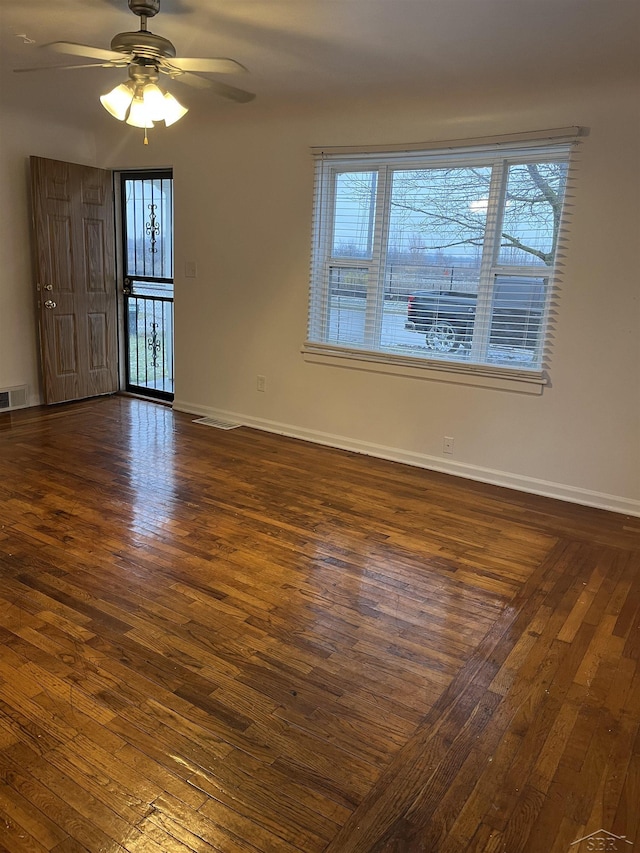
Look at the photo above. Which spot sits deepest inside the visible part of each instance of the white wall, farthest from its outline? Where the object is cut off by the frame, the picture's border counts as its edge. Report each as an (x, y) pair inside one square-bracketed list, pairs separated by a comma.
[(22, 136), (243, 211)]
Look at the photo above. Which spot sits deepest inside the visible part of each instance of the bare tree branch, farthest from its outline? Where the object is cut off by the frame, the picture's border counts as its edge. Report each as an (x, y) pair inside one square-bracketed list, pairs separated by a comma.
[(446, 207)]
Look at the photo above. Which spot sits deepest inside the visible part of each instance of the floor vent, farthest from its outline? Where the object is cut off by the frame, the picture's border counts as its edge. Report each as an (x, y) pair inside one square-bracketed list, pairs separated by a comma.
[(13, 398), (215, 422)]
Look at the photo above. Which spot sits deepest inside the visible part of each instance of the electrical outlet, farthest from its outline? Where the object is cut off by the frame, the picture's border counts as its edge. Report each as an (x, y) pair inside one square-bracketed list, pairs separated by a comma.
[(261, 383), (447, 444)]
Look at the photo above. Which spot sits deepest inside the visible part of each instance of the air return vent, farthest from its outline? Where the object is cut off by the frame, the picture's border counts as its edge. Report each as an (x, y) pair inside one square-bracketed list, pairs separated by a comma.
[(214, 422), (13, 398)]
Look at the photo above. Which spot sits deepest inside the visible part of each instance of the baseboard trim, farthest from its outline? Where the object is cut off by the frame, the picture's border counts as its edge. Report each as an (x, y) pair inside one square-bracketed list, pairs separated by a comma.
[(545, 488)]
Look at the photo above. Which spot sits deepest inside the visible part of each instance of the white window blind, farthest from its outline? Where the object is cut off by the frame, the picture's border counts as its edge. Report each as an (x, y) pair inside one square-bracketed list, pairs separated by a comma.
[(440, 256)]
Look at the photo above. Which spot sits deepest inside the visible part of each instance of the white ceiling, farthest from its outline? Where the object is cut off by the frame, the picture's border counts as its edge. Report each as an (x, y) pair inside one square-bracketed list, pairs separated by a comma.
[(327, 49)]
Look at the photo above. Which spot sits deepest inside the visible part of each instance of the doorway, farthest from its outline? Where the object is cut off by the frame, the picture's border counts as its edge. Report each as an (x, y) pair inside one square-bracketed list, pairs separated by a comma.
[(147, 265)]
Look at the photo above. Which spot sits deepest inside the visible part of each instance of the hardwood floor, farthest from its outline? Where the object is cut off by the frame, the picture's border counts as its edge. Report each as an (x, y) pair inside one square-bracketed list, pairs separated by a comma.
[(234, 641)]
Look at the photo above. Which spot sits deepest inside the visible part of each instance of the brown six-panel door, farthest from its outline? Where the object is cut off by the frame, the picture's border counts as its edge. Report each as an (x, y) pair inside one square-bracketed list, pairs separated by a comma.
[(75, 275)]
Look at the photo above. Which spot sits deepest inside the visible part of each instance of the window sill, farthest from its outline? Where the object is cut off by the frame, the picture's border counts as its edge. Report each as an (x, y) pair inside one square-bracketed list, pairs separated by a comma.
[(481, 376)]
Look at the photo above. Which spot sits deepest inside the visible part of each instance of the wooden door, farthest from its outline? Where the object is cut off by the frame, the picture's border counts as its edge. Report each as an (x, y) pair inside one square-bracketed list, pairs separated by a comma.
[(75, 275)]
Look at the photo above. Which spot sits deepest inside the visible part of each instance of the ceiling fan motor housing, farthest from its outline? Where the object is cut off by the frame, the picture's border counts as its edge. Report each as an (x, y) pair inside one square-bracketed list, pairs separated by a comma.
[(145, 8), (144, 44)]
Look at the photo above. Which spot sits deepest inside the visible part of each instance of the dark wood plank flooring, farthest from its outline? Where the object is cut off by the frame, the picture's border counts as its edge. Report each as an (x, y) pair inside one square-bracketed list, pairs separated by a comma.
[(233, 641)]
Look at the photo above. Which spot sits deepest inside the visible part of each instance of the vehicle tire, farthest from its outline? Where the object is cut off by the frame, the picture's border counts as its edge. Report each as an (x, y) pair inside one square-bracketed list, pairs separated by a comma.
[(442, 337)]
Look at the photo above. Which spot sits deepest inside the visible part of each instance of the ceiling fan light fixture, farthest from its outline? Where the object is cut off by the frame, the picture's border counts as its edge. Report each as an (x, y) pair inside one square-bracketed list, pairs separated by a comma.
[(140, 102), (118, 100), (173, 109), (154, 102), (139, 115)]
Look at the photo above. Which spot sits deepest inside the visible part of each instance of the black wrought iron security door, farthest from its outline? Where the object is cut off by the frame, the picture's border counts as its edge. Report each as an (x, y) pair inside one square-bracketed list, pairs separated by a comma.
[(147, 226)]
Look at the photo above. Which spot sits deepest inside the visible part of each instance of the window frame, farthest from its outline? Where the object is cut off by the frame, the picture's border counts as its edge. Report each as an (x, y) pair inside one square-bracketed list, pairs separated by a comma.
[(371, 354)]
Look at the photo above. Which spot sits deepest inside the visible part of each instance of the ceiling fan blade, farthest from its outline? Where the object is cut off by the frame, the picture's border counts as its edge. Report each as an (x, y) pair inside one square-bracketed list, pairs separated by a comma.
[(65, 67), (221, 89), (231, 92), (186, 77), (86, 50), (221, 65)]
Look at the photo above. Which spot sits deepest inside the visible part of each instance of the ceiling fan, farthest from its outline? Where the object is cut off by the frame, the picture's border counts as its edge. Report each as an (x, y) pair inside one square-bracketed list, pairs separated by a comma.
[(148, 55)]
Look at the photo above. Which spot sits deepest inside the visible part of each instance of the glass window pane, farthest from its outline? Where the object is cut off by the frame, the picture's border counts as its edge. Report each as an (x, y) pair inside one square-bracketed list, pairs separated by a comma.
[(149, 227), (436, 228), (436, 234), (532, 209), (347, 304), (354, 214), (443, 319), (150, 345), (517, 320)]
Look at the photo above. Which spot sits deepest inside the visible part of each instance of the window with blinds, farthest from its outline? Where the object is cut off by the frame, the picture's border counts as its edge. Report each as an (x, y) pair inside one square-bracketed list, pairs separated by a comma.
[(439, 256)]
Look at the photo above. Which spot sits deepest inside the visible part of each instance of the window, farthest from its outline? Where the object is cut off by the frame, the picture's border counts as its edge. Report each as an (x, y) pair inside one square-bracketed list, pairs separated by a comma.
[(438, 258)]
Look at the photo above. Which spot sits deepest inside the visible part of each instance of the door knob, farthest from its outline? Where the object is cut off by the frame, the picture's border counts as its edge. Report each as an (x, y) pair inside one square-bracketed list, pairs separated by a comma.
[(48, 287), (49, 304)]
